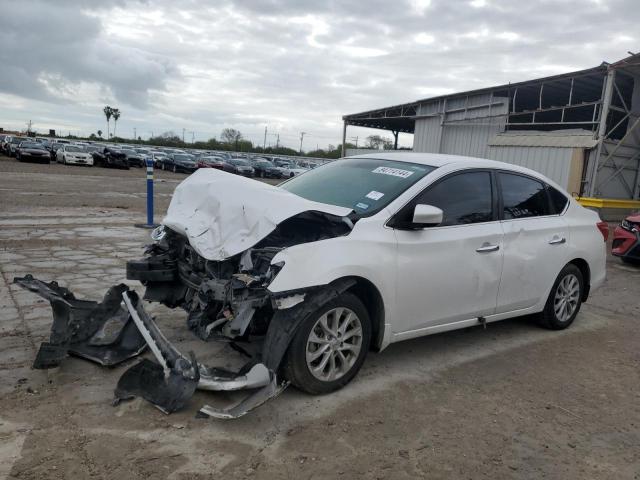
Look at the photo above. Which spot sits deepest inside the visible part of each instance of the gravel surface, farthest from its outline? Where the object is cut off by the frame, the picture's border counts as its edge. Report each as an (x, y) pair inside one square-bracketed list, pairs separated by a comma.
[(511, 401)]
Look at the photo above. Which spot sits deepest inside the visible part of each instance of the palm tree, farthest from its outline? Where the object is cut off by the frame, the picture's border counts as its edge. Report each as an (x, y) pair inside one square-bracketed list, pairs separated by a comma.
[(108, 111), (115, 112)]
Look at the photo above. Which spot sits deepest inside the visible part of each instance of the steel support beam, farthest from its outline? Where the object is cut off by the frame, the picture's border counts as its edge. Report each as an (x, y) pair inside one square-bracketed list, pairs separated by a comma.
[(344, 139), (602, 128)]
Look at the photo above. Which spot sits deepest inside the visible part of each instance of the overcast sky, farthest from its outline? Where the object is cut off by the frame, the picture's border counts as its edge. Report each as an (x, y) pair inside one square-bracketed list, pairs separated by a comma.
[(292, 65)]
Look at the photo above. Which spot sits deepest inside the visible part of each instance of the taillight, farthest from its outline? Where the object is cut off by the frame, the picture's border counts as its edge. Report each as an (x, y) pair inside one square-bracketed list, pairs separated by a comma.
[(604, 229)]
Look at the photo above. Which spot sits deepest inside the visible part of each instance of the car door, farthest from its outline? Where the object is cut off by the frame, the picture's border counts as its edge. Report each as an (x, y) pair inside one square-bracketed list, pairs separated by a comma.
[(450, 272), (535, 242)]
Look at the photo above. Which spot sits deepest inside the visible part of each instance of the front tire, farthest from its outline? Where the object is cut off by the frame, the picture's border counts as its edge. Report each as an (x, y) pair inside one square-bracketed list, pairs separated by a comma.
[(565, 299), (330, 346), (175, 170)]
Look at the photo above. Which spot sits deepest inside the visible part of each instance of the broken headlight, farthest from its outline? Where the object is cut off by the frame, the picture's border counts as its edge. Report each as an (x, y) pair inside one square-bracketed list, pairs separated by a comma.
[(158, 233), (627, 225), (273, 271)]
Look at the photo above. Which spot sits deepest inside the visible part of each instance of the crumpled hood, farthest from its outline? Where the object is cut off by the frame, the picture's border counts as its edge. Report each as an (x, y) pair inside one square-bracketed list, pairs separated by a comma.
[(224, 214)]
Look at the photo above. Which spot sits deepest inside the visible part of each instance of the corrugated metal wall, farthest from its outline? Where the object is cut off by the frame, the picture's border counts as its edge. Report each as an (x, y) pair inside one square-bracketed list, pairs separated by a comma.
[(472, 136), (426, 137), (461, 126), (554, 162)]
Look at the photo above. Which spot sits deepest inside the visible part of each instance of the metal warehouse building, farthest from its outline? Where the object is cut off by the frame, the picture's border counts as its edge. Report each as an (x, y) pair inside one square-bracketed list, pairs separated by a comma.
[(581, 128)]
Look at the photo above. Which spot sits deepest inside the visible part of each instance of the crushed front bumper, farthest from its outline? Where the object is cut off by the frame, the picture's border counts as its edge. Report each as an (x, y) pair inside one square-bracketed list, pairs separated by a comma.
[(626, 244)]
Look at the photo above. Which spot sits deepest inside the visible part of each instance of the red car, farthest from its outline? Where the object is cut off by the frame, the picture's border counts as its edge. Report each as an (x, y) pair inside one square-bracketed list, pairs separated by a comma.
[(211, 162), (626, 239)]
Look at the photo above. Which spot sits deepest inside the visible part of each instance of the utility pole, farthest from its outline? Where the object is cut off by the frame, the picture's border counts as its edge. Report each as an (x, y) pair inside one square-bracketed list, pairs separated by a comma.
[(356, 139), (193, 137), (301, 138), (264, 144), (278, 141), (135, 136), (183, 130)]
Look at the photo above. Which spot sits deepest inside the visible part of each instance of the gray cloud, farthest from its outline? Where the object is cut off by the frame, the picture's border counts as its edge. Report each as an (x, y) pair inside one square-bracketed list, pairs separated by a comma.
[(51, 48), (292, 64)]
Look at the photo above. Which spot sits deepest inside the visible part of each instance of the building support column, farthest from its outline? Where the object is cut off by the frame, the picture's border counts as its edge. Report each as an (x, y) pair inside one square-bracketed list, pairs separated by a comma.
[(395, 141), (344, 139), (602, 128)]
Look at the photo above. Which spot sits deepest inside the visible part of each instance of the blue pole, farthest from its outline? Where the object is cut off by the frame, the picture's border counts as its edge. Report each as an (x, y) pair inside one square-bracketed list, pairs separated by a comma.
[(149, 191)]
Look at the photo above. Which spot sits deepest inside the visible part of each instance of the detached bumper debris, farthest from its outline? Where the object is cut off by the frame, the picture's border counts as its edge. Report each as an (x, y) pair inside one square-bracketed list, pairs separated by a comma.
[(101, 332), (170, 383), (117, 329)]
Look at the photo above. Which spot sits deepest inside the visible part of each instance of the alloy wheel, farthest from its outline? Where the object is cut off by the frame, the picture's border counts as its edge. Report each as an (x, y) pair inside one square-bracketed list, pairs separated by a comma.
[(567, 297), (334, 344)]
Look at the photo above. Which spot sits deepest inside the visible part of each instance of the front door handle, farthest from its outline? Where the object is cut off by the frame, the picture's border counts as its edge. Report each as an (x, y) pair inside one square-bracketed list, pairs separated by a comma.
[(487, 247), (557, 241)]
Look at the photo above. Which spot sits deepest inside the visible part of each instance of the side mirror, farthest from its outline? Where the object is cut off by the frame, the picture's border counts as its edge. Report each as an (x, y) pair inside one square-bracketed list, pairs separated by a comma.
[(427, 216)]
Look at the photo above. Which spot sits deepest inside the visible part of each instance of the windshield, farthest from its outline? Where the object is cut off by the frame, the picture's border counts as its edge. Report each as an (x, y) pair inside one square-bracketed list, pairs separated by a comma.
[(237, 161), (35, 146), (363, 184), (183, 158), (70, 148)]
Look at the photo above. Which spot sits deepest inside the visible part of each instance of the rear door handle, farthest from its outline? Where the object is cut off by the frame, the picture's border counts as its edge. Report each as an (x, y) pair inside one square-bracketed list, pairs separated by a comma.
[(557, 241), (486, 247)]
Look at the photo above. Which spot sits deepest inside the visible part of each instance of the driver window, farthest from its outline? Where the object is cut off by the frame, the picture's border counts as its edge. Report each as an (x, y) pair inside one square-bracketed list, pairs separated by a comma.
[(464, 198)]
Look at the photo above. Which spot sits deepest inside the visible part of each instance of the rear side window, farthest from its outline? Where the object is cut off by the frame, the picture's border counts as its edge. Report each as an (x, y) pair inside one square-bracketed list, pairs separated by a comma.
[(464, 198), (523, 197), (558, 200)]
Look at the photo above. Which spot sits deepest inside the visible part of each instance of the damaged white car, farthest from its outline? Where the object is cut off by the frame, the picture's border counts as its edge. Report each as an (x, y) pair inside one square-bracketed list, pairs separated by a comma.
[(350, 256)]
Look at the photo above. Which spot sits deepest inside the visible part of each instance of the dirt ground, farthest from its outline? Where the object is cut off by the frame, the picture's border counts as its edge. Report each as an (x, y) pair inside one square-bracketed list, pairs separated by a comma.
[(511, 401)]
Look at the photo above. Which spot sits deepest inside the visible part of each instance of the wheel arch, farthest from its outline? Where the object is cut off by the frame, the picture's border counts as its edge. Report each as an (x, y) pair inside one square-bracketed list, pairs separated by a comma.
[(584, 268), (372, 300)]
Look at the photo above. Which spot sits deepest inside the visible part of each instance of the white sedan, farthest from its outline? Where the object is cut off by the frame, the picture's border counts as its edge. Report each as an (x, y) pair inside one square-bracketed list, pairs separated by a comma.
[(290, 171), (74, 154), (351, 256), (357, 254)]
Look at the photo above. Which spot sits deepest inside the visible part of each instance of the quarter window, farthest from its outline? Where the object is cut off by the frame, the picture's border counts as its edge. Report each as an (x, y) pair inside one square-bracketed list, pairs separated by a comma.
[(523, 197), (464, 198)]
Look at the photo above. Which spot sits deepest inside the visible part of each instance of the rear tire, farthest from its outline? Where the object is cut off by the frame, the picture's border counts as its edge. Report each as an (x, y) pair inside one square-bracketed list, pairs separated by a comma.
[(565, 299), (334, 356)]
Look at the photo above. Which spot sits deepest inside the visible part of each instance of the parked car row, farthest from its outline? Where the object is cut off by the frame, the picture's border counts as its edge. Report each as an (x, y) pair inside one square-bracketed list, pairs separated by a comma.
[(127, 156)]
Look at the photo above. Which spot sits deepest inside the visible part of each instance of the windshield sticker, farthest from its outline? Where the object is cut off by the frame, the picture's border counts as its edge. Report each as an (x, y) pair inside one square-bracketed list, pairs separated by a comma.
[(373, 195), (395, 172), (362, 206)]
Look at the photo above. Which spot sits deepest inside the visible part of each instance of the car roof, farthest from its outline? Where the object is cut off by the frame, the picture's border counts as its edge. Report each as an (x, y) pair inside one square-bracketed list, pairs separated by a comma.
[(440, 160)]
